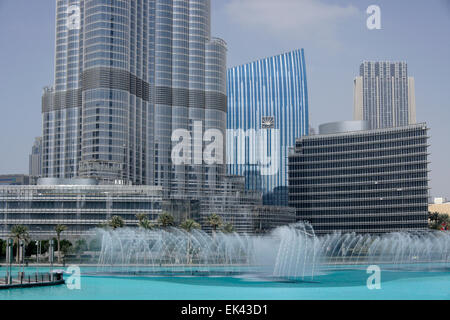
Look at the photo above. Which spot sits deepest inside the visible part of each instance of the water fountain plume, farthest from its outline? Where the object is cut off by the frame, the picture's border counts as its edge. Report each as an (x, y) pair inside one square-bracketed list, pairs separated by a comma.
[(292, 252)]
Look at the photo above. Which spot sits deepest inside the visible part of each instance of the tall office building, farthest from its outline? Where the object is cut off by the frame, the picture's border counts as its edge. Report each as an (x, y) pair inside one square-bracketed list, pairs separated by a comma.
[(267, 95), (384, 95), (350, 179), (35, 158), (128, 74)]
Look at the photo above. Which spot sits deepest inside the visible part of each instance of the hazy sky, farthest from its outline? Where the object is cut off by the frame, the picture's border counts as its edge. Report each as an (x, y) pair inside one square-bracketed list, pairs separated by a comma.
[(333, 34)]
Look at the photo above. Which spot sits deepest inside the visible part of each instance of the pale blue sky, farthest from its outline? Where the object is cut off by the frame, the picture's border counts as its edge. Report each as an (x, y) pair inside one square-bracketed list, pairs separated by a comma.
[(333, 34)]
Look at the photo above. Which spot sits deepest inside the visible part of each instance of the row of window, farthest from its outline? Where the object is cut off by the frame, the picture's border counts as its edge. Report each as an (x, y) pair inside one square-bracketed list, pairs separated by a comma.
[(363, 138), (362, 179), (371, 227), (350, 220), (364, 147), (348, 196), (36, 205), (359, 188), (356, 171), (293, 166), (365, 203), (307, 214), (361, 155)]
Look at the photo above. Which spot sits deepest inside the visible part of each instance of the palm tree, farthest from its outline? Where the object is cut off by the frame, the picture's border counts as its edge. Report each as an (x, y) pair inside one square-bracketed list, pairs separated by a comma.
[(189, 225), (104, 225), (59, 229), (116, 222), (147, 225), (228, 228), (166, 220), (19, 232), (141, 216), (144, 222), (433, 218), (215, 221)]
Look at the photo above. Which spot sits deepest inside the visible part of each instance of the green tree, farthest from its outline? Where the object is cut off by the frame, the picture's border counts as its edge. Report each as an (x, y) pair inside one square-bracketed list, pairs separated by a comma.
[(141, 216), (31, 248), (116, 222), (105, 225), (433, 218), (95, 245), (443, 221), (189, 225), (45, 246), (2, 247), (81, 246), (215, 221), (437, 221), (66, 247), (228, 228), (19, 232), (166, 220), (59, 229), (144, 222)]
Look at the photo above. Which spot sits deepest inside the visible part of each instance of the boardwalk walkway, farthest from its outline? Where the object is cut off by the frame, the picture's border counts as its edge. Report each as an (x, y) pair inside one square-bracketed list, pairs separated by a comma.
[(32, 280)]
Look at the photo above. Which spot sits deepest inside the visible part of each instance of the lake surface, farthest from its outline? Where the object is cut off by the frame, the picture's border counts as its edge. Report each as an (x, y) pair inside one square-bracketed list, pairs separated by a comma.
[(339, 284)]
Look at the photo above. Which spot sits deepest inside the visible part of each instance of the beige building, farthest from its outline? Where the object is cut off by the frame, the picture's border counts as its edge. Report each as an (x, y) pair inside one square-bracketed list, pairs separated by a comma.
[(443, 208), (384, 95)]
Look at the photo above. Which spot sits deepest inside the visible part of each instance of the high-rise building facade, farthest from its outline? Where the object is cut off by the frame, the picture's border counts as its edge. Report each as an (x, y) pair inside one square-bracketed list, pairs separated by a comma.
[(128, 74), (267, 95), (384, 95), (35, 158), (364, 181)]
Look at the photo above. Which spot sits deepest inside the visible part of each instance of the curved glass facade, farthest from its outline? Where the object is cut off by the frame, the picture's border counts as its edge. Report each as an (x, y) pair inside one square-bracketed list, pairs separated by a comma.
[(372, 181), (142, 69), (274, 90)]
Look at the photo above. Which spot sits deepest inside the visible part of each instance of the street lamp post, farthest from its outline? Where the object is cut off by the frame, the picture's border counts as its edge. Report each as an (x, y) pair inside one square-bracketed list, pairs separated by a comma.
[(10, 259), (21, 259), (38, 244), (52, 255), (37, 251)]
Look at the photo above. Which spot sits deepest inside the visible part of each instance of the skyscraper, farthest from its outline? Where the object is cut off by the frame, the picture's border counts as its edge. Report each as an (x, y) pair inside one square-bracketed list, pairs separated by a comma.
[(35, 159), (270, 94), (384, 95), (128, 74)]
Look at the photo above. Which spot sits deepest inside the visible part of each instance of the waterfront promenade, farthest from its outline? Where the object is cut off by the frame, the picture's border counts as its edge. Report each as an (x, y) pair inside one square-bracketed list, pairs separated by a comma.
[(28, 280)]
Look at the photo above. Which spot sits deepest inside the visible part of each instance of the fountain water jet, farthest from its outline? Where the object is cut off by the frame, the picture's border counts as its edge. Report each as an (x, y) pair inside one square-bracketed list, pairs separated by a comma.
[(292, 252)]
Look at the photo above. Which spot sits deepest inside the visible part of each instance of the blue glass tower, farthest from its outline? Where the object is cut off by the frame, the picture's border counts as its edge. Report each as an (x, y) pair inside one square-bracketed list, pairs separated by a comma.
[(272, 95)]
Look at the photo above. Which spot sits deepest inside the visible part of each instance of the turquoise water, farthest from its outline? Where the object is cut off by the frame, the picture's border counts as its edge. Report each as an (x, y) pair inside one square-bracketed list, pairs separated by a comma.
[(336, 284)]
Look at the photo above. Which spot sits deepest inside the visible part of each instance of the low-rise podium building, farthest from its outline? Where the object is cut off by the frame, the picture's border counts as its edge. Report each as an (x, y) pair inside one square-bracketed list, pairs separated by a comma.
[(80, 204)]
